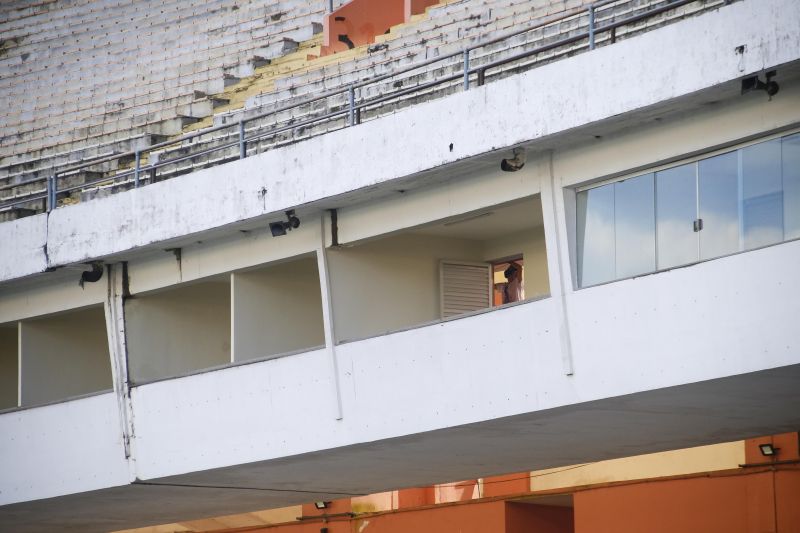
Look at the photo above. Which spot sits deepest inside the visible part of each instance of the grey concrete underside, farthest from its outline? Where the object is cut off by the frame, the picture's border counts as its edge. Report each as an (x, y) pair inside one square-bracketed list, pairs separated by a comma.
[(714, 411)]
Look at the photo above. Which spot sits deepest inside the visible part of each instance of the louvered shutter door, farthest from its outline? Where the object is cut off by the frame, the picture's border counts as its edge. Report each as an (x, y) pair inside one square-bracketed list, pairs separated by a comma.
[(465, 287)]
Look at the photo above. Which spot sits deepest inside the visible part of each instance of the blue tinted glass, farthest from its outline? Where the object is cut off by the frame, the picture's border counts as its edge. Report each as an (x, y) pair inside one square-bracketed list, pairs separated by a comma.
[(790, 158), (635, 226), (719, 205), (762, 194), (595, 234), (676, 211)]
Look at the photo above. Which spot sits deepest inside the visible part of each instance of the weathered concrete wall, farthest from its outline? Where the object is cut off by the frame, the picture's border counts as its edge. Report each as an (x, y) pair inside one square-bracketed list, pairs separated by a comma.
[(179, 330), (63, 355), (277, 309), (700, 57)]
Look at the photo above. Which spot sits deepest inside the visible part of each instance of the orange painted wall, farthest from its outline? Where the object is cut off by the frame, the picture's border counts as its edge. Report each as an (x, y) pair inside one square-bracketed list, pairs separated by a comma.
[(361, 21), (725, 504), (409, 498), (486, 517), (529, 518), (415, 7), (787, 488), (506, 485), (789, 444)]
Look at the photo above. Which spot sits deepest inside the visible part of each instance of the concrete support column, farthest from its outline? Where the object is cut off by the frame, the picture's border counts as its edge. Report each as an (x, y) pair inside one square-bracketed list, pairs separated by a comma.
[(327, 316), (558, 266), (118, 350)]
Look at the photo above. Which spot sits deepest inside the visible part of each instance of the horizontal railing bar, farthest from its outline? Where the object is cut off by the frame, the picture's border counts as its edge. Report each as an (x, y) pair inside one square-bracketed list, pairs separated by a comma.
[(105, 179), (189, 156), (642, 16), (410, 90), (330, 93), (24, 200), (301, 124)]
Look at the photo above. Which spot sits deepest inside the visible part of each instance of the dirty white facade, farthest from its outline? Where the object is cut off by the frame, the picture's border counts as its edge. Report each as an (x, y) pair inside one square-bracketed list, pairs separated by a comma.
[(216, 366)]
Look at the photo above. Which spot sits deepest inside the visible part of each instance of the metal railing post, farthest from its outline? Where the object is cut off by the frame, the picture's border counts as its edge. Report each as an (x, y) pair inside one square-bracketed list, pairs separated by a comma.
[(591, 26), (351, 96), (466, 69), (51, 192), (242, 142), (137, 168)]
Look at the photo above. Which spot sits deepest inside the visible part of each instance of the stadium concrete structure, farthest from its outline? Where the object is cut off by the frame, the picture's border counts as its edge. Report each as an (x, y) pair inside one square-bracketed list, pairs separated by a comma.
[(253, 256)]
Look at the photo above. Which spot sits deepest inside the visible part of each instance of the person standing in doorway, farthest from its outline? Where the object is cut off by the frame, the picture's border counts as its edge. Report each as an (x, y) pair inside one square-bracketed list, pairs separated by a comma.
[(514, 291)]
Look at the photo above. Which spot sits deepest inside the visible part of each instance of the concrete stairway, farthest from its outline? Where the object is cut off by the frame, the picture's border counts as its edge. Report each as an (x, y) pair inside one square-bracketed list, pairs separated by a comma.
[(270, 83), (447, 28), (81, 78)]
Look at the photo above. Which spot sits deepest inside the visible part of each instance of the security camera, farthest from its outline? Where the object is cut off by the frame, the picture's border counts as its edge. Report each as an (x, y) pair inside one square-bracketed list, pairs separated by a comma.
[(280, 228), (752, 83)]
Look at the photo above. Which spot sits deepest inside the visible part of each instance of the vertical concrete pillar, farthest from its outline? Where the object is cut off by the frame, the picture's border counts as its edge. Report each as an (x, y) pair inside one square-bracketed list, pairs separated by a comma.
[(558, 265), (114, 307), (327, 317)]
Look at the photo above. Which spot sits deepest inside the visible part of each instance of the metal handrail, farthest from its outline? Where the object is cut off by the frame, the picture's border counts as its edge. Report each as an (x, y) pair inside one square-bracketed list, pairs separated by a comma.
[(352, 107)]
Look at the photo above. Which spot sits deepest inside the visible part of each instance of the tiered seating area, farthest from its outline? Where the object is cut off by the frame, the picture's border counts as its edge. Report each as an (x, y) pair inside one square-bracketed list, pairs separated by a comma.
[(82, 78), (299, 75)]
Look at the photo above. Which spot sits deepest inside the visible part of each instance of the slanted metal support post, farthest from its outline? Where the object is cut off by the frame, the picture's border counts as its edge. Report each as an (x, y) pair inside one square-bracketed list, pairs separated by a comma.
[(591, 26), (137, 168), (351, 97), (466, 69), (242, 142), (51, 192)]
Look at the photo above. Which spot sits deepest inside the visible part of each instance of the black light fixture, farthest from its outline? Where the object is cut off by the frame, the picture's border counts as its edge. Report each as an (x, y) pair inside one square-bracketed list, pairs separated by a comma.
[(752, 83), (92, 275), (515, 163), (768, 450), (321, 505), (280, 228)]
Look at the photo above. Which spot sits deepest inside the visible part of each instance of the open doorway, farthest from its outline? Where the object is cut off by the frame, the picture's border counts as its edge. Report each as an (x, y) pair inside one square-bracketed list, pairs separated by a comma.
[(508, 280), (436, 271)]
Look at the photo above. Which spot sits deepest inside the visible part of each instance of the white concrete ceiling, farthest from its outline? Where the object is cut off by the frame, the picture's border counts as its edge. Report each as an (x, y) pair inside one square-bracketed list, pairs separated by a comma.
[(490, 223)]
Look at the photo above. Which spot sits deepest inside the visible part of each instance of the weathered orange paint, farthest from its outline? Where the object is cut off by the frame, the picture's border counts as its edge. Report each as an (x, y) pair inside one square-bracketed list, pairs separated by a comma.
[(506, 485), (360, 21), (789, 444), (787, 504), (415, 7), (479, 517), (459, 491), (410, 498), (745, 503), (530, 518)]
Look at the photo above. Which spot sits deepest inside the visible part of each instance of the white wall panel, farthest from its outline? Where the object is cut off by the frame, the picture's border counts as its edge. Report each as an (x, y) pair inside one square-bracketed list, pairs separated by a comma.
[(65, 448), (277, 309)]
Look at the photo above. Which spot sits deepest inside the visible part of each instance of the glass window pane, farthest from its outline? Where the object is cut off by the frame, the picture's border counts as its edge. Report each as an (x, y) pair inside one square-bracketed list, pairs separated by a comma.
[(790, 155), (676, 209), (719, 205), (635, 226), (762, 195), (595, 233)]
